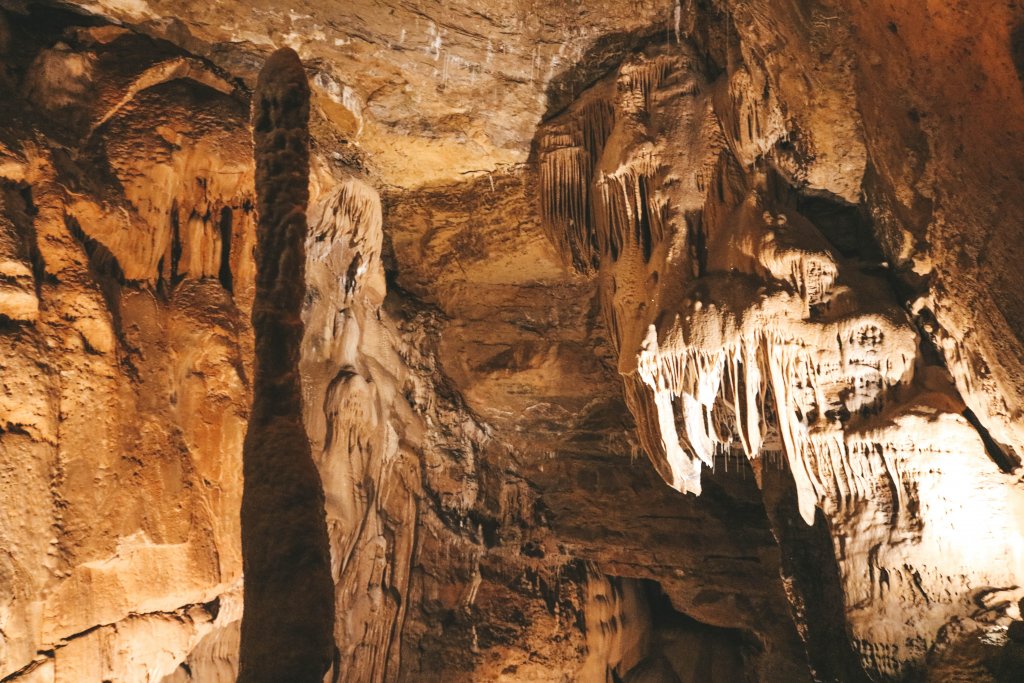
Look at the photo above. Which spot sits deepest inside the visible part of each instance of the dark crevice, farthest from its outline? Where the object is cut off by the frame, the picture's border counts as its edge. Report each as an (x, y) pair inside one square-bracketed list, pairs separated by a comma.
[(225, 250), (680, 647), (1003, 456), (698, 241), (106, 272), (1017, 50), (845, 226), (31, 238), (175, 278), (643, 225)]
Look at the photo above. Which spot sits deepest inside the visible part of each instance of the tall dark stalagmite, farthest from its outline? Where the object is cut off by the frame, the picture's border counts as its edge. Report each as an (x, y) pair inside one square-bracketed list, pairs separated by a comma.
[(289, 596)]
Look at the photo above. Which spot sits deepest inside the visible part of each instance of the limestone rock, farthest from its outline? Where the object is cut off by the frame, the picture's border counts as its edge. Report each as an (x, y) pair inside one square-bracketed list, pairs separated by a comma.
[(567, 266)]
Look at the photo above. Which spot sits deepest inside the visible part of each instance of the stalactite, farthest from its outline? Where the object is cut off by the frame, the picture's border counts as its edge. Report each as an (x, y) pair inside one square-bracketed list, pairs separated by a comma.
[(706, 372), (774, 356), (638, 81), (288, 622), (568, 157), (628, 213)]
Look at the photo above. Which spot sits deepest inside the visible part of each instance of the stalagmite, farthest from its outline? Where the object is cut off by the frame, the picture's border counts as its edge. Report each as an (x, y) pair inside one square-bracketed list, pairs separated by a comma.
[(288, 619), (663, 340)]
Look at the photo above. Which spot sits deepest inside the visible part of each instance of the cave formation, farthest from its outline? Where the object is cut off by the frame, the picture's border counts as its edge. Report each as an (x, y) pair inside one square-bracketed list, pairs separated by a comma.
[(288, 606), (640, 342)]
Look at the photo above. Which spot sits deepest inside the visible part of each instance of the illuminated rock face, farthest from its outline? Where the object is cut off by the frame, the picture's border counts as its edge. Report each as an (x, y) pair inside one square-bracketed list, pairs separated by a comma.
[(127, 351), (741, 331), (643, 341)]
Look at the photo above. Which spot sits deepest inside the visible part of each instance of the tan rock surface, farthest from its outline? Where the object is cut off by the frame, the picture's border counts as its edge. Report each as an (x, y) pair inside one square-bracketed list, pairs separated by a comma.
[(559, 255), (126, 396)]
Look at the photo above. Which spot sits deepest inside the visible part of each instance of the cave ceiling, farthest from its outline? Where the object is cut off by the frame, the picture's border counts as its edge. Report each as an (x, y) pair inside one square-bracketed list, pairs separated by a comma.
[(648, 340)]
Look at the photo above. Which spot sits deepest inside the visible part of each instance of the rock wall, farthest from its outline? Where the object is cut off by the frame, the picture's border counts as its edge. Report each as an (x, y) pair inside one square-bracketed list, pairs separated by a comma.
[(741, 329), (127, 228), (558, 255)]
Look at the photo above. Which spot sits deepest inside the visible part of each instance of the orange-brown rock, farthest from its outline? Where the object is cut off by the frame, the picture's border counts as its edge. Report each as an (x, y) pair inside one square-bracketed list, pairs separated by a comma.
[(669, 340)]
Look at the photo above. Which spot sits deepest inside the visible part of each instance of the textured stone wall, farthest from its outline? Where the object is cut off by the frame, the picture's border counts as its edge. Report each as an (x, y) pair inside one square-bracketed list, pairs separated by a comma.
[(127, 224), (568, 265)]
